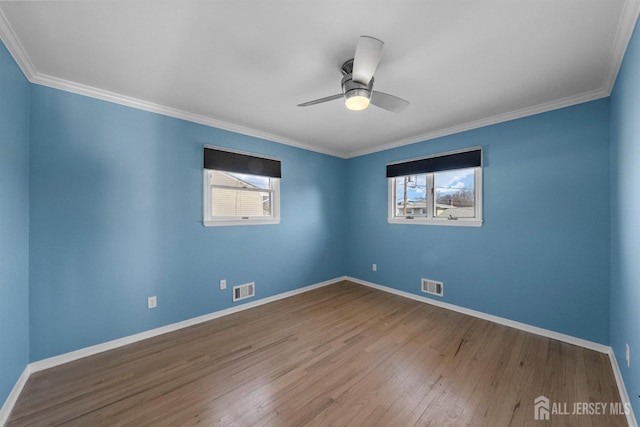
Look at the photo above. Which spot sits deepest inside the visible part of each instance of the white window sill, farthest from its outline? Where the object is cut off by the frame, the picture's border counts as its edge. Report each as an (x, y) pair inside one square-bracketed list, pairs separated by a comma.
[(226, 223), (445, 222)]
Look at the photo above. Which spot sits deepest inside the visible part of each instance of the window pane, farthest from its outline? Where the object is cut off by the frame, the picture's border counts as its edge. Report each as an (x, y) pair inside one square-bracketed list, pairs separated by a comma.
[(230, 202), (240, 195), (455, 193), (241, 180), (411, 195)]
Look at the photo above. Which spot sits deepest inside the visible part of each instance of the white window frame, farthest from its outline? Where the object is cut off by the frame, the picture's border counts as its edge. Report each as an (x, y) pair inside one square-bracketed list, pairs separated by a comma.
[(223, 221), (429, 218)]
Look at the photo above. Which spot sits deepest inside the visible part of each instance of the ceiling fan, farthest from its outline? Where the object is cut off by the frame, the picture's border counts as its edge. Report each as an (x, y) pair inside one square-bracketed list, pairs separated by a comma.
[(357, 81)]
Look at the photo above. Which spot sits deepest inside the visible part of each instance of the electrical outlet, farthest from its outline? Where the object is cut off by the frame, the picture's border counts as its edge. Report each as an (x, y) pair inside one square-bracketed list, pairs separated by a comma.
[(374, 267), (628, 355), (223, 284), (152, 302)]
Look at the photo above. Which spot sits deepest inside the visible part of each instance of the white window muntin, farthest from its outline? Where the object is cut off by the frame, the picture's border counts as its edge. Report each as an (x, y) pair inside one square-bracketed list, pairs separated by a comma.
[(270, 193), (429, 217), (224, 220)]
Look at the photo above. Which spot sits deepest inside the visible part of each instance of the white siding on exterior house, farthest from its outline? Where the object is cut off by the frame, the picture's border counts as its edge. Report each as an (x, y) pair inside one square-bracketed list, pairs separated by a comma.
[(231, 202)]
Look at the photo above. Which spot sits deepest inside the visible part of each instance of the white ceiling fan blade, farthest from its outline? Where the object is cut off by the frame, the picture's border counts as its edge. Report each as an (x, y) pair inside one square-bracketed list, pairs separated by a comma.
[(367, 58), (321, 100), (388, 102)]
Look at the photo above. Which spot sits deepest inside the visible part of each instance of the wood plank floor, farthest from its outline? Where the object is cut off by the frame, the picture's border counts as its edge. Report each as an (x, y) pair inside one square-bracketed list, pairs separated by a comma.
[(341, 355)]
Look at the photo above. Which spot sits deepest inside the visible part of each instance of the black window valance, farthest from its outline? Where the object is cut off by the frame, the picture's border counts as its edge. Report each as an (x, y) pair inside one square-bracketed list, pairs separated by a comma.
[(442, 162), (231, 161)]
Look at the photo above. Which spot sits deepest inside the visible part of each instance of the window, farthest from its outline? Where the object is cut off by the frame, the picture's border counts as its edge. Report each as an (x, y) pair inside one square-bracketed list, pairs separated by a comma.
[(445, 189), (240, 189)]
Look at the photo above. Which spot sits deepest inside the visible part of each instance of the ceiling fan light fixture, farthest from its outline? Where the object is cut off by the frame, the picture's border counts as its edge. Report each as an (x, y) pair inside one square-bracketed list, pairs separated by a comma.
[(357, 100), (357, 81)]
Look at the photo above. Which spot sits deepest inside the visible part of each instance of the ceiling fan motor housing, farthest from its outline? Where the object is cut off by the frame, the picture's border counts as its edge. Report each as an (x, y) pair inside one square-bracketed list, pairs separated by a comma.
[(352, 88)]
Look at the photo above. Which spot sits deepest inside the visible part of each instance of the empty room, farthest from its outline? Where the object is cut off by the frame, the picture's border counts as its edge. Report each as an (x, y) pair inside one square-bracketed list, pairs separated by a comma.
[(319, 213)]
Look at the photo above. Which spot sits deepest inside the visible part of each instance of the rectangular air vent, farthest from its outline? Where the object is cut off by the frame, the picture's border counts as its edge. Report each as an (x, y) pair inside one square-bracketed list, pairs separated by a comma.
[(432, 287), (247, 290)]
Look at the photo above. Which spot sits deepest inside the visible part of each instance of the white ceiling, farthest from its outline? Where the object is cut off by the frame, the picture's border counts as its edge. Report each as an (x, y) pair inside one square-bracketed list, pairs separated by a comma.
[(244, 65)]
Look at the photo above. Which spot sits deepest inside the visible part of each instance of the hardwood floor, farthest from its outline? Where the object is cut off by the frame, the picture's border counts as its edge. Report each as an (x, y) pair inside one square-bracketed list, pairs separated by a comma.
[(343, 355)]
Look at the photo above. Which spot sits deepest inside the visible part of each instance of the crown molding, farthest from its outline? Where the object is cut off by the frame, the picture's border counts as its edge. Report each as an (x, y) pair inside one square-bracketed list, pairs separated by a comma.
[(104, 95), (15, 48), (500, 118), (624, 32), (626, 25), (128, 101)]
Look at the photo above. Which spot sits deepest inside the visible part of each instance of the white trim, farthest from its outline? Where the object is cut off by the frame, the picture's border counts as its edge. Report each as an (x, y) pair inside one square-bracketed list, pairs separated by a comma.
[(110, 345), (429, 219), (152, 107), (120, 342), (128, 101), (234, 222), (11, 41), (628, 18), (445, 222), (601, 348), (210, 221), (624, 396), (625, 30), (115, 98), (626, 25), (51, 362), (475, 124), (8, 405)]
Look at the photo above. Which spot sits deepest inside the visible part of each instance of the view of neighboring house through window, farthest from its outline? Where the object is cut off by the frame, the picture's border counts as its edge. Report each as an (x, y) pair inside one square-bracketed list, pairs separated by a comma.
[(436, 190), (240, 195), (455, 194), (232, 196)]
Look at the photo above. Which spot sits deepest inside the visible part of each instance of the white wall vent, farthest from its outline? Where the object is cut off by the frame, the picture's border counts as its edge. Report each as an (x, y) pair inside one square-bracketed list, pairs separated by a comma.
[(432, 287), (247, 290)]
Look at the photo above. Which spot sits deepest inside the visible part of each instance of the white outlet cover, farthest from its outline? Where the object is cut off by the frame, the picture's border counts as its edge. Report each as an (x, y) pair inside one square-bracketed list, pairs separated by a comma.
[(152, 302), (223, 284), (628, 355)]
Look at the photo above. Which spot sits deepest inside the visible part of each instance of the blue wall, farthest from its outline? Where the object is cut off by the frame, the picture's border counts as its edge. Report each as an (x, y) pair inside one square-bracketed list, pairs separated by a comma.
[(14, 223), (625, 218), (116, 216), (102, 207), (542, 255)]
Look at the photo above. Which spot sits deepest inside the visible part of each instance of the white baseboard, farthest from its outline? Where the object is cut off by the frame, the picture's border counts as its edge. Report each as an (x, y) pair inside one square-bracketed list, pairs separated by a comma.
[(99, 348), (120, 342), (496, 319), (50, 362), (7, 407), (624, 396)]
